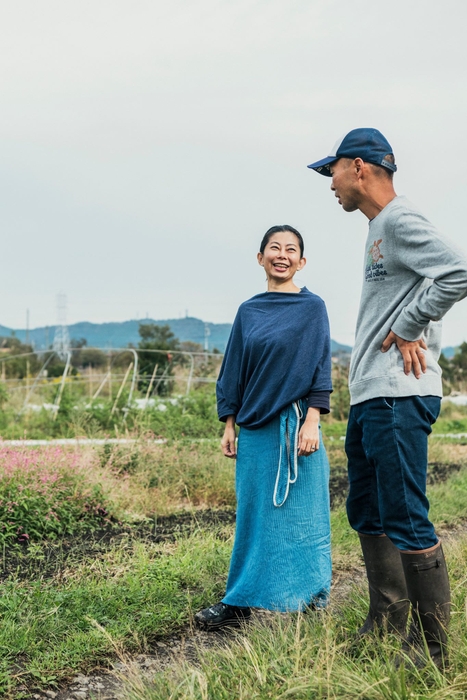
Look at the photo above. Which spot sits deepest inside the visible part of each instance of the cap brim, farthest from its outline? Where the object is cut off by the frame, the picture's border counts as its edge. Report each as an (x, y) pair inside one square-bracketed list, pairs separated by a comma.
[(322, 166)]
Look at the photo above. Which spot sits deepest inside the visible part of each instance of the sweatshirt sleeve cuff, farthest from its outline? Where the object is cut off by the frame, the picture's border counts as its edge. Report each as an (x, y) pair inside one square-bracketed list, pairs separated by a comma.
[(408, 330), (319, 399)]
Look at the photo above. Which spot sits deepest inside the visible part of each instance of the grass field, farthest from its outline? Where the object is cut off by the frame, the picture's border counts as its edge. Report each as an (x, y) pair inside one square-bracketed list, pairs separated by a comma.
[(112, 548)]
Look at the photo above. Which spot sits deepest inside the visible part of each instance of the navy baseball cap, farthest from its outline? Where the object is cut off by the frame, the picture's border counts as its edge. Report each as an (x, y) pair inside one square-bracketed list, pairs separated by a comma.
[(368, 144)]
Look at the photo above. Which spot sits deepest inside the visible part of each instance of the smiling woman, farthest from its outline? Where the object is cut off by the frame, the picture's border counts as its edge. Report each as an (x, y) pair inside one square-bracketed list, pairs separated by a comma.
[(281, 255), (274, 382)]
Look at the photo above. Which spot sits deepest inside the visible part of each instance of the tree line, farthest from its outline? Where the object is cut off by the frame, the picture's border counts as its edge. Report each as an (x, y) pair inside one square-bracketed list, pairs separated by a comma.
[(455, 370)]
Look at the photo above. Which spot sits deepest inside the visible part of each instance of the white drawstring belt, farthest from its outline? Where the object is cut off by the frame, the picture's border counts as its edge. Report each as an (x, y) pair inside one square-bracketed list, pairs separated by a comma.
[(287, 469)]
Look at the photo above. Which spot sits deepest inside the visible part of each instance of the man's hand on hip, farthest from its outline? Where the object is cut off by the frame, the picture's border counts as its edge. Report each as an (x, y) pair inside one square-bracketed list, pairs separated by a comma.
[(412, 352)]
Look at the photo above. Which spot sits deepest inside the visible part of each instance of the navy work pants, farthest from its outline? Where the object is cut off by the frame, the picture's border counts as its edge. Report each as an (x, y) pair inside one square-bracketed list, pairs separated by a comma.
[(387, 451)]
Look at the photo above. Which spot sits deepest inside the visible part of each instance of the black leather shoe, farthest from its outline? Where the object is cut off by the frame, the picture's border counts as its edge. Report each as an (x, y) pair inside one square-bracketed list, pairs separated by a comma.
[(221, 615)]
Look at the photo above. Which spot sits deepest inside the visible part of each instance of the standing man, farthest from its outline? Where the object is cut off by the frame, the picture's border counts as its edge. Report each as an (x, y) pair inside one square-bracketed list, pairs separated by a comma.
[(412, 275)]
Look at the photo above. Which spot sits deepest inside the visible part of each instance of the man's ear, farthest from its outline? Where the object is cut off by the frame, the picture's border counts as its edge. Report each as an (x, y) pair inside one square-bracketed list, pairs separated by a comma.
[(359, 166)]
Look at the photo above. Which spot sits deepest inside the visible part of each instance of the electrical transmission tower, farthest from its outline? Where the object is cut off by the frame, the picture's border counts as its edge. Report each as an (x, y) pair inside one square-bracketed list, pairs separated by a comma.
[(61, 343), (207, 333)]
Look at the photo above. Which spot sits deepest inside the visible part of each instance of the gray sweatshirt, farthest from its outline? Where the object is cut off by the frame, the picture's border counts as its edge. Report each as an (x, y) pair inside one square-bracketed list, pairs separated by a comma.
[(412, 275)]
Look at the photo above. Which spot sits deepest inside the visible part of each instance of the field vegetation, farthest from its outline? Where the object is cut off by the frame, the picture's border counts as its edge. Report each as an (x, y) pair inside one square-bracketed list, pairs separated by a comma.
[(107, 550), (171, 394), (112, 548)]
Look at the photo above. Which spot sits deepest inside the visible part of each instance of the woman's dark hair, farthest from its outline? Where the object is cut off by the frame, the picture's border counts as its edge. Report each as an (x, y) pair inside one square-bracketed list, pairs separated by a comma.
[(278, 229)]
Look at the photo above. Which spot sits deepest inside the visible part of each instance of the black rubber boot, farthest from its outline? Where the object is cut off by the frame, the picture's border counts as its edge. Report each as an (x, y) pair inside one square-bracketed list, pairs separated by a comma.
[(389, 603), (428, 588)]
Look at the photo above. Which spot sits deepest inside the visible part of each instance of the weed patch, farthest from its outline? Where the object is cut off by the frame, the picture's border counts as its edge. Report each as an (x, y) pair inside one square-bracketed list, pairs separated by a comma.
[(47, 493)]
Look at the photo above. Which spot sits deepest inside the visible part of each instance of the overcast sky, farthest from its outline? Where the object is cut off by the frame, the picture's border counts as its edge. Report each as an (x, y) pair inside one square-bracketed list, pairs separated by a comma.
[(147, 145)]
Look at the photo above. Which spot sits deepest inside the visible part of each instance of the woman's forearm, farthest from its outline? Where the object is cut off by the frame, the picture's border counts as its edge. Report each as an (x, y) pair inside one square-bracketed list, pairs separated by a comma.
[(230, 422), (313, 415)]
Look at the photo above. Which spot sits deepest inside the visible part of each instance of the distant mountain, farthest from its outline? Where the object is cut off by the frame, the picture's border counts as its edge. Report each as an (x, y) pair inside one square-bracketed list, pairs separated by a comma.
[(339, 349), (449, 352), (119, 335)]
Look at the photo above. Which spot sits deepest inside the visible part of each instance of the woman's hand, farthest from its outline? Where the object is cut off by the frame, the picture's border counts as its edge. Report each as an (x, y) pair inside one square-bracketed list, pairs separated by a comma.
[(228, 442), (308, 437)]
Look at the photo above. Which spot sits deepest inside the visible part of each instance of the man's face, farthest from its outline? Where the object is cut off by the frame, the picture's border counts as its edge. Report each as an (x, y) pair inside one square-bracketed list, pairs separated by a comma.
[(345, 183)]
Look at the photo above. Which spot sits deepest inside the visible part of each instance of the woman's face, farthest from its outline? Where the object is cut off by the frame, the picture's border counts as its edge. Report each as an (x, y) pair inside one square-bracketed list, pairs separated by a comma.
[(282, 258)]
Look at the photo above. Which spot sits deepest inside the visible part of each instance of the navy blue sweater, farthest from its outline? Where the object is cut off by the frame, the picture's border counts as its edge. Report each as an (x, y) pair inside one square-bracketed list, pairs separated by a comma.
[(278, 352)]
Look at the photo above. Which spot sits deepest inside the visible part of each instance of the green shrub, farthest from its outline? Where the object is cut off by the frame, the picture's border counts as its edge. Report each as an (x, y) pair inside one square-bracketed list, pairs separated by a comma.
[(47, 493)]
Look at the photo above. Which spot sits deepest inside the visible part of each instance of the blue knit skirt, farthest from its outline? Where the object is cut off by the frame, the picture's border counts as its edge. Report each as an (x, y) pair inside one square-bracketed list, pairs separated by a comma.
[(281, 558)]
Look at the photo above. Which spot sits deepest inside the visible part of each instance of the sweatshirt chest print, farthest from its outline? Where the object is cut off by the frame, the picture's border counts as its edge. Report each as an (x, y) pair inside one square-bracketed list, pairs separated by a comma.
[(374, 268)]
